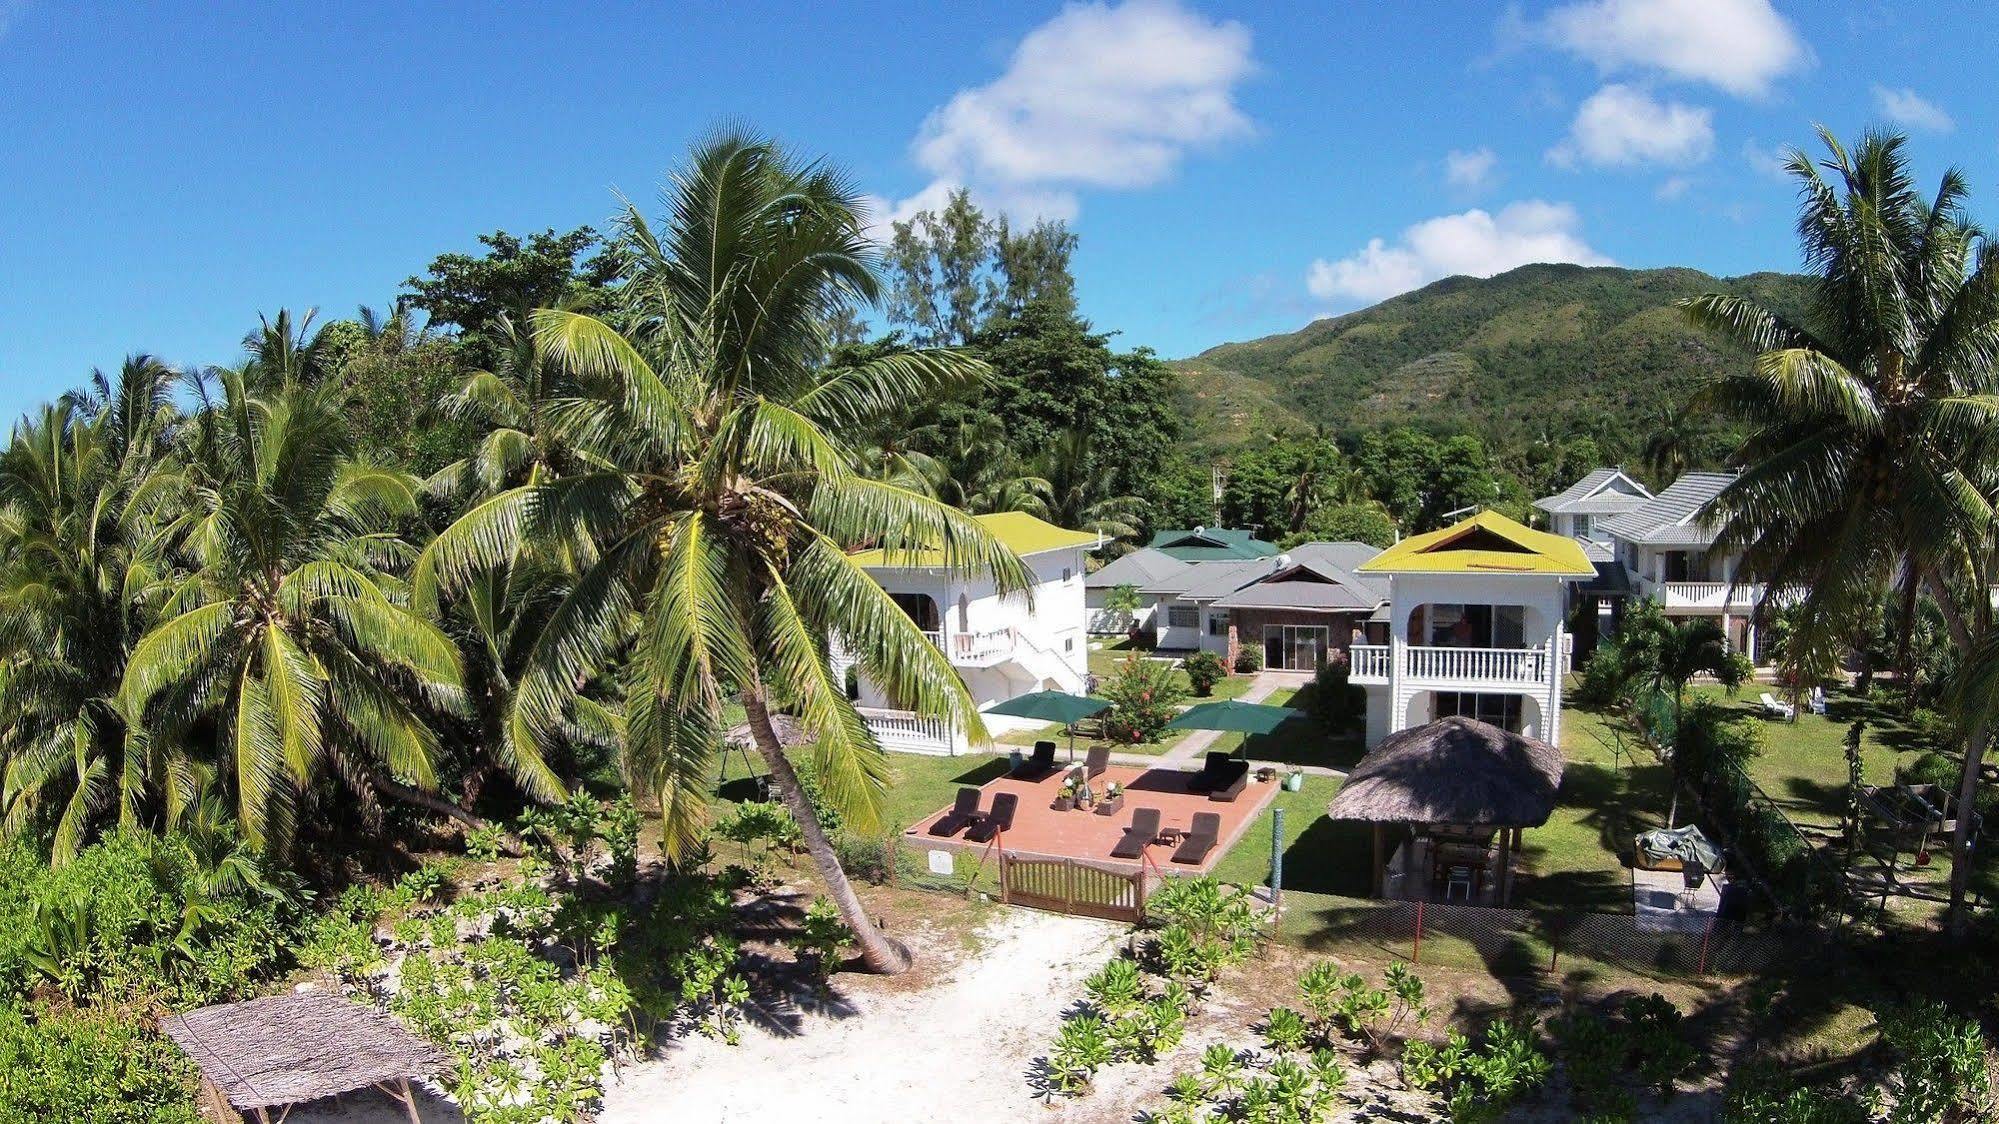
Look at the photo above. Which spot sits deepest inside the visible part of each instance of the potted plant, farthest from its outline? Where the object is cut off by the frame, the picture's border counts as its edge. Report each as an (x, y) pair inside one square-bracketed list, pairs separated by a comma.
[(1066, 798), (1294, 780), (1112, 800)]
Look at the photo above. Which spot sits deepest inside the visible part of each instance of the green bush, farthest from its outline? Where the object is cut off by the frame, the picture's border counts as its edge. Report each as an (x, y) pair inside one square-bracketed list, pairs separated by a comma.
[(1204, 670), (1929, 767), (1248, 660), (137, 920), (1142, 695), (1336, 703), (89, 1067)]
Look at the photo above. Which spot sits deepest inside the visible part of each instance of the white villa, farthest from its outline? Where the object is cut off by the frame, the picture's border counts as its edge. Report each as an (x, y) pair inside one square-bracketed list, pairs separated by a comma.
[(1475, 628), (1000, 646)]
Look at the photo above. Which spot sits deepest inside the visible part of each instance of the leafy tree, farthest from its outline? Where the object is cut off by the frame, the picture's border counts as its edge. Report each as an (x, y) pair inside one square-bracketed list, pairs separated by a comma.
[(513, 277), (286, 636), (722, 502), (1347, 522), (954, 269), (1868, 450), (86, 536)]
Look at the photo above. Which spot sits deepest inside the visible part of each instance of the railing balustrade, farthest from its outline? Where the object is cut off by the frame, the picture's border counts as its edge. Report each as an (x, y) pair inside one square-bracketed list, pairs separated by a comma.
[(1374, 663)]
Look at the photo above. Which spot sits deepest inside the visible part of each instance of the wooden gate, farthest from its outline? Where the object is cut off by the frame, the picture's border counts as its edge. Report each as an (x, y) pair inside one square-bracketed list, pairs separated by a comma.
[(1073, 886)]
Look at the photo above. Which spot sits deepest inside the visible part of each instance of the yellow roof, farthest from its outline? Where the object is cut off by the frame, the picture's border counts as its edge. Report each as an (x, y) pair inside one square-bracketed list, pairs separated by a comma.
[(1016, 530), (1469, 547)]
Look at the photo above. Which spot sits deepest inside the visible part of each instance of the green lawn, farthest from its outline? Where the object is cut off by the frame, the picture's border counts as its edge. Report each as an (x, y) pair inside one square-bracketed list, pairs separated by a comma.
[(1104, 662), (1320, 855), (1300, 741)]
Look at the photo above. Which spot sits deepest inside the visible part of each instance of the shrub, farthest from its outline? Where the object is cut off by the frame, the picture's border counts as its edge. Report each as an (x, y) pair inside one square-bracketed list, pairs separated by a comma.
[(1940, 1068), (1336, 703), (1929, 767), (1204, 670), (1082, 1047), (1116, 987), (870, 858), (90, 1068), (1142, 694), (1285, 1029), (821, 937), (1248, 660)]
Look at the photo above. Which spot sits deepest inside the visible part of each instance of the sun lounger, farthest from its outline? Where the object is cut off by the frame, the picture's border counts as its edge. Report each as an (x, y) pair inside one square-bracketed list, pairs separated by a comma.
[(1143, 830), (995, 821), (1098, 760), (964, 811), (1772, 708), (1222, 777), (1039, 765), (1195, 845)]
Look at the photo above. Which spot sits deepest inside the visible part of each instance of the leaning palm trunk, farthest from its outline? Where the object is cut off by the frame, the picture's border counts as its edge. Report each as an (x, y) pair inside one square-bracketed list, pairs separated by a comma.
[(880, 952)]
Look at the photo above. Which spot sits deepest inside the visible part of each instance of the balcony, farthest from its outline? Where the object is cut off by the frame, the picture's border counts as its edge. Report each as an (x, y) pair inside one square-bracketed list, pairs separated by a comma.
[(980, 649), (1454, 668), (1710, 596)]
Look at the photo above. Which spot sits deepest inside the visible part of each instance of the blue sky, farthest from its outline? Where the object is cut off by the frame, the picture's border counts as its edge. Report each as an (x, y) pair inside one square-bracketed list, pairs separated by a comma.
[(168, 172)]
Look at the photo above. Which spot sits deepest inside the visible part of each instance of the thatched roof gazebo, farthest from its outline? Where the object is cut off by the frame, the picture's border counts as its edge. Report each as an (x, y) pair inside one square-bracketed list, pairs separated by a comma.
[(284, 1050), (1454, 773)]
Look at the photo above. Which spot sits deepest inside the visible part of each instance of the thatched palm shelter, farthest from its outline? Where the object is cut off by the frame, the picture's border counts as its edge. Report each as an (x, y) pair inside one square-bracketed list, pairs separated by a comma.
[(1454, 773), (285, 1050)]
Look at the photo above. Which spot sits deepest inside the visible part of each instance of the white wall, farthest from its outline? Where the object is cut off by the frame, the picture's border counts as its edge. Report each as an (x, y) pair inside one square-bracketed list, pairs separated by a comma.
[(1541, 595), (1179, 637)]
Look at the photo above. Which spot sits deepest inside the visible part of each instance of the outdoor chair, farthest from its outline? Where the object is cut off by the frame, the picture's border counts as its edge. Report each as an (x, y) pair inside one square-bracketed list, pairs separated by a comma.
[(965, 810), (1143, 830), (1222, 777), (1195, 845), (1097, 761), (995, 821), (1039, 765), (1460, 880), (1772, 708)]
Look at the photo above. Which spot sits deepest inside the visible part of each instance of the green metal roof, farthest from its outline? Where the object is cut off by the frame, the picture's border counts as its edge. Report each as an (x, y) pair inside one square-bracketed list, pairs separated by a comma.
[(1211, 544)]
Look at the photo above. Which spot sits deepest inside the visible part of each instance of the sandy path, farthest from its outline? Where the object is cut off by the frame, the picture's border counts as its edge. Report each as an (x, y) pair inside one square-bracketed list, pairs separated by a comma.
[(959, 1048)]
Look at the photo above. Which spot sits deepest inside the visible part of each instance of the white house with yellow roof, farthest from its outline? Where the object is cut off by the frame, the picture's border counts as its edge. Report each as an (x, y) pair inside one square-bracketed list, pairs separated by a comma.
[(1475, 628), (1001, 646)]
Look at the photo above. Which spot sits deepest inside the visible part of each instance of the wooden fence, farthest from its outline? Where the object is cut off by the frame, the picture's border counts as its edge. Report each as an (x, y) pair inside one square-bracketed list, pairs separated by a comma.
[(1074, 886)]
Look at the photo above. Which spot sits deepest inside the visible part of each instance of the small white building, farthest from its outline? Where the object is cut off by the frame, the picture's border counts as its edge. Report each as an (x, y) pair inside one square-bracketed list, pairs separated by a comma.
[(1475, 628), (1579, 511), (1001, 646), (1140, 569)]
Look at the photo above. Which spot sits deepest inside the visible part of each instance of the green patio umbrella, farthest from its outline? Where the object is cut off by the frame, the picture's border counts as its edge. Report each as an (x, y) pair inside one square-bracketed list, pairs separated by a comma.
[(1052, 706), (1230, 715)]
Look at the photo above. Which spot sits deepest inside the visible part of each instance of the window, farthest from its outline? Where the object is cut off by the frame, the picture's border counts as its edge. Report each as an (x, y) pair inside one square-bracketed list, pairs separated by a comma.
[(1068, 643), (1183, 616), (1218, 624), (1065, 573)]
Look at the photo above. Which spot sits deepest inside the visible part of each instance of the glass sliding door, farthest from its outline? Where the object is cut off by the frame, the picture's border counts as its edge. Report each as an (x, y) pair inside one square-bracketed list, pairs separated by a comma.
[(1291, 647)]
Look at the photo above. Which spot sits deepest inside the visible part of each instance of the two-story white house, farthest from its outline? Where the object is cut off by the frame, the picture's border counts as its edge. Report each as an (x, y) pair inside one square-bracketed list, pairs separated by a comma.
[(1581, 510), (1667, 546), (1475, 628), (1001, 646)]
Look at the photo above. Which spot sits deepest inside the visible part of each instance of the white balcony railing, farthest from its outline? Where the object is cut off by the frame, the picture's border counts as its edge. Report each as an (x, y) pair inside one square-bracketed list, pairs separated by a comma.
[(1438, 666), (1708, 595), (909, 732), (980, 649)]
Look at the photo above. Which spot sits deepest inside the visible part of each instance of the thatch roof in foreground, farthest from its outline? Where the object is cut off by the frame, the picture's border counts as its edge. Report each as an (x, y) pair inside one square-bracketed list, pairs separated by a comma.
[(1453, 771), (297, 1047)]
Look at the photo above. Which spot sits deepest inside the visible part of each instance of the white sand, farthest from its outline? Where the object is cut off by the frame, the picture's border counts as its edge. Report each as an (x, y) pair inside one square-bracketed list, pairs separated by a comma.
[(960, 1048)]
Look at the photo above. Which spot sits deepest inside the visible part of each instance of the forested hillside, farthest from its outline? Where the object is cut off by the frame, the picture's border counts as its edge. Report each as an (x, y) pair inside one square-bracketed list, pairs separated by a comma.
[(1542, 351)]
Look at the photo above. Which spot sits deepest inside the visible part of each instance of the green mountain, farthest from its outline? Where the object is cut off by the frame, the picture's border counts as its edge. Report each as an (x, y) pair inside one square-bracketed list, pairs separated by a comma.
[(1541, 350)]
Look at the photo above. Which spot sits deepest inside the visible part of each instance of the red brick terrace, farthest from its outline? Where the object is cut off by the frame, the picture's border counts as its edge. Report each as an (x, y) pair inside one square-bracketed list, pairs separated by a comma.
[(1039, 831)]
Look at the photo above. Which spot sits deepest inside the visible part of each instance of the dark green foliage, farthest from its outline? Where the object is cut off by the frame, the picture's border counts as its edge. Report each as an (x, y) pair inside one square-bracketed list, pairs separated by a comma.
[(90, 1067), (1763, 1092), (1534, 360), (514, 276), (1248, 660), (1347, 522), (1331, 699), (1204, 670)]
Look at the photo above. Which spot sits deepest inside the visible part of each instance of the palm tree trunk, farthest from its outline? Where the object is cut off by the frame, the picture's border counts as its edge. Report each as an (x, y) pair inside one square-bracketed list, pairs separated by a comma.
[(880, 953), (1974, 769)]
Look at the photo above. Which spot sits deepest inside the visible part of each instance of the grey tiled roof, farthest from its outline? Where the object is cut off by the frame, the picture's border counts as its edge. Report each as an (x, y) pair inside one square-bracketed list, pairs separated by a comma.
[(1594, 495), (1140, 567), (1198, 576), (1671, 518)]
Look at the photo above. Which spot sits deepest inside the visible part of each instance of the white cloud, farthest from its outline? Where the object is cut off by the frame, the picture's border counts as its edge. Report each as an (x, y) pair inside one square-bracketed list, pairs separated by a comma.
[(1906, 107), (1766, 161), (1622, 126), (1672, 187), (1099, 96), (1474, 243), (1740, 46), (1469, 169)]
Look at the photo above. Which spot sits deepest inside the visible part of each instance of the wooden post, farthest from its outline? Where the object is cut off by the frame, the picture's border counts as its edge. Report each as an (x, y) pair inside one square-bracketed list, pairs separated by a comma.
[(1505, 866), (1380, 861)]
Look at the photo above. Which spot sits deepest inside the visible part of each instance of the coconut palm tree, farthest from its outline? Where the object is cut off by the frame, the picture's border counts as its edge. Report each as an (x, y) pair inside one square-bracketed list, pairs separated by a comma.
[(727, 503), (512, 403), (287, 353), (1667, 656), (85, 538), (1075, 493), (287, 636), (1672, 447), (1869, 450)]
